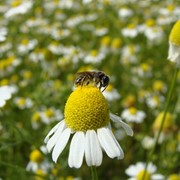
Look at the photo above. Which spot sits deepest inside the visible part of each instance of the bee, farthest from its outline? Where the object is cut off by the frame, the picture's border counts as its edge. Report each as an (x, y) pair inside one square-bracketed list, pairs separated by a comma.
[(97, 78)]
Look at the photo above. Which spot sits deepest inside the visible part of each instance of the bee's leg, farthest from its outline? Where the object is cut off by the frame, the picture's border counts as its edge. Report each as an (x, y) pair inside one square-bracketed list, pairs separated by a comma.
[(104, 88)]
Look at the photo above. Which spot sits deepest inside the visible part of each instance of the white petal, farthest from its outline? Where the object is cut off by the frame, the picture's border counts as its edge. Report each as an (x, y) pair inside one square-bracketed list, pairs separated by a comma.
[(128, 130), (131, 170), (60, 144), (109, 143), (76, 153), (5, 92), (52, 131), (157, 177), (93, 151), (52, 141), (2, 102)]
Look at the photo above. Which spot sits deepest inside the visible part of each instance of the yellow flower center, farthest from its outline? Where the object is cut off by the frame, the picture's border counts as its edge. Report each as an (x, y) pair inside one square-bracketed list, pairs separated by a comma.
[(131, 26), (36, 156), (4, 82), (27, 74), (171, 7), (167, 122), (116, 43), (174, 177), (25, 41), (49, 112), (132, 110), (158, 85), (144, 174), (150, 22), (21, 102), (109, 88), (94, 53), (86, 108), (145, 67), (106, 40), (36, 117), (175, 35), (16, 3), (40, 174)]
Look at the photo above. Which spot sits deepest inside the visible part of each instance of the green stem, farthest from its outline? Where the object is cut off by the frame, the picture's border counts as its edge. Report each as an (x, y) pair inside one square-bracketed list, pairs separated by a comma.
[(94, 173), (163, 120)]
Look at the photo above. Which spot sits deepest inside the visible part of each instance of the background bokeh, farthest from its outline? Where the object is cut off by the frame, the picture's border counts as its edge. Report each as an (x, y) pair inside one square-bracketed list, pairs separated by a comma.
[(42, 46)]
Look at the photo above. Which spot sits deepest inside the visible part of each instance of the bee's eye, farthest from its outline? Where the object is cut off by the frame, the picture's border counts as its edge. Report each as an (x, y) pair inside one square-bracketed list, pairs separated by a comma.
[(105, 80)]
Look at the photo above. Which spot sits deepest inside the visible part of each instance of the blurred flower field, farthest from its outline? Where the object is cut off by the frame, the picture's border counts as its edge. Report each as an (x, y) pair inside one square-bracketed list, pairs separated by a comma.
[(43, 44)]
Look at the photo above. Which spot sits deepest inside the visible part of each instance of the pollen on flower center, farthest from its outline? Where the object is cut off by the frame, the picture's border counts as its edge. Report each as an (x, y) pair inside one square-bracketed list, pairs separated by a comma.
[(86, 108)]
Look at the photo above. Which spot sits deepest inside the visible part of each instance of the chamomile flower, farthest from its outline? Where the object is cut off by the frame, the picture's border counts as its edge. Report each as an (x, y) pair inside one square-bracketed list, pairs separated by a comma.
[(154, 100), (23, 103), (26, 45), (38, 161), (133, 115), (94, 57), (147, 142), (130, 31), (125, 12), (19, 7), (111, 93), (174, 44), (87, 118), (137, 171)]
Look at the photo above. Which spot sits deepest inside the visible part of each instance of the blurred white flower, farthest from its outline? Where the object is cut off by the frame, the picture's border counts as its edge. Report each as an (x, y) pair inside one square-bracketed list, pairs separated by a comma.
[(136, 172), (147, 142), (154, 100), (26, 45), (94, 57), (111, 93), (129, 54), (3, 33), (130, 31), (38, 161), (133, 115), (125, 12), (19, 9), (154, 34), (23, 103)]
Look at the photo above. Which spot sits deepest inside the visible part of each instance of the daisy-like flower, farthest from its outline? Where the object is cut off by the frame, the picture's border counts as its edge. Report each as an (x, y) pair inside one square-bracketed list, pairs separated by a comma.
[(19, 8), (94, 57), (23, 103), (130, 31), (137, 171), (174, 44), (133, 115), (87, 118), (38, 161), (27, 45), (111, 93)]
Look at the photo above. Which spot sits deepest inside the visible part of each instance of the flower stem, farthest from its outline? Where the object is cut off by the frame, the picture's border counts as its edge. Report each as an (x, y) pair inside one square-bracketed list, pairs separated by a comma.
[(163, 120), (94, 173)]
